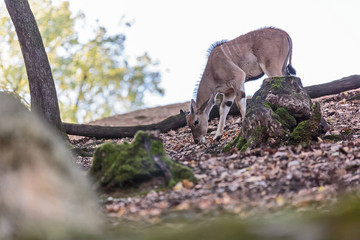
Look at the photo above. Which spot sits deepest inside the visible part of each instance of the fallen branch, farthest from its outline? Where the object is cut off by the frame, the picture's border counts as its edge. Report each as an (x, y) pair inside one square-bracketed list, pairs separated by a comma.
[(334, 87), (96, 131), (179, 120)]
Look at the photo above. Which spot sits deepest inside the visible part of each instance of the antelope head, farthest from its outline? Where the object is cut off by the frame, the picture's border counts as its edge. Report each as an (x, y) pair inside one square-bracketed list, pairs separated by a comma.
[(197, 120)]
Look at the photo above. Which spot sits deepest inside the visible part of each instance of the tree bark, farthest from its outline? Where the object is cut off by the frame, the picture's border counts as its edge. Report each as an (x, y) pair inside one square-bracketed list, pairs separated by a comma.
[(41, 82), (334, 87), (173, 122), (177, 121)]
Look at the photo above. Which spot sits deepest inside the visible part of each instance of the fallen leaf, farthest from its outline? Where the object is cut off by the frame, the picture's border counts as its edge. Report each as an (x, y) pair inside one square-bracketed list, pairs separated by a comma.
[(187, 183), (178, 187)]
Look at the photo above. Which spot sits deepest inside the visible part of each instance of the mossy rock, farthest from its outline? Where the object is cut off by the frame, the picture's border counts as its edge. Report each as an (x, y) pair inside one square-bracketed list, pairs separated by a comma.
[(260, 127), (307, 130), (286, 92), (280, 113), (127, 165)]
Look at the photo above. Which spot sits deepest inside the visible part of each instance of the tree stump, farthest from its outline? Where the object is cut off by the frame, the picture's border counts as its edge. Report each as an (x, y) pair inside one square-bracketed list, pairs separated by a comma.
[(143, 162), (281, 112)]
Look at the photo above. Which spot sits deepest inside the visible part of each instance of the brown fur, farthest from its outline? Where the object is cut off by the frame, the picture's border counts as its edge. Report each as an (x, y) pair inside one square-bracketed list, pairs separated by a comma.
[(230, 65)]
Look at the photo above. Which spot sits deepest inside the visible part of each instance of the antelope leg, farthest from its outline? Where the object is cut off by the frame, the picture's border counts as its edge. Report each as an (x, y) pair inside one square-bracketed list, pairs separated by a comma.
[(239, 88), (224, 110)]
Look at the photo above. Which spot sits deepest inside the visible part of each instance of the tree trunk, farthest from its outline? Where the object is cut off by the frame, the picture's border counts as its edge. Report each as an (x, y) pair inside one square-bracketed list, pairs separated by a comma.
[(41, 82), (177, 121), (173, 122), (334, 87)]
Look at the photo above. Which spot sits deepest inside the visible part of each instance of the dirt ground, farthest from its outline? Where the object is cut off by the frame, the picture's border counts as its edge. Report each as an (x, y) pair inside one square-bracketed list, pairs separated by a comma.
[(143, 116), (243, 182)]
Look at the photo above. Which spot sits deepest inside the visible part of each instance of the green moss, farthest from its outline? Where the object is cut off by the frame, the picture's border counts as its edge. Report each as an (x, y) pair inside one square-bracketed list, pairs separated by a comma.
[(307, 130), (232, 143), (332, 137), (355, 97), (127, 165), (301, 135), (260, 133), (276, 83), (282, 115), (239, 142), (157, 148), (268, 105), (243, 145), (178, 172), (121, 165), (346, 131), (285, 118)]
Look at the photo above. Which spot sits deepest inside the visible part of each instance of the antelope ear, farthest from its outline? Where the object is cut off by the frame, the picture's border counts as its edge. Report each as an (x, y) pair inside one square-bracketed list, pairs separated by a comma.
[(192, 106), (205, 104)]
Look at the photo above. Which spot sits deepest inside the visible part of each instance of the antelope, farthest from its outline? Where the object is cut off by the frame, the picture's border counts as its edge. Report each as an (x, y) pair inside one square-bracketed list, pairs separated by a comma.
[(232, 63)]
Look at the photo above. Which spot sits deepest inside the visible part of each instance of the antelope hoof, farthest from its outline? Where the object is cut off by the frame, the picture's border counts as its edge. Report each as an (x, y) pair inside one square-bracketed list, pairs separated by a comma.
[(217, 137), (200, 141)]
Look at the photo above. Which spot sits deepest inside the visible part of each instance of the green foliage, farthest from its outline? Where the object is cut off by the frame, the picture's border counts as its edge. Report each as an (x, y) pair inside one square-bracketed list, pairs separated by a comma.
[(93, 77)]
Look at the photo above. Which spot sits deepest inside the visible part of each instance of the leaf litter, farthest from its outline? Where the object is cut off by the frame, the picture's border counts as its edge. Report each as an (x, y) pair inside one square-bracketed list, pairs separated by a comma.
[(245, 183)]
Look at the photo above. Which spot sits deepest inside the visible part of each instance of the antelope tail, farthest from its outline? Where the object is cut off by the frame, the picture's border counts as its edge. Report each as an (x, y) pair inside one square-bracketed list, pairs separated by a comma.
[(289, 69)]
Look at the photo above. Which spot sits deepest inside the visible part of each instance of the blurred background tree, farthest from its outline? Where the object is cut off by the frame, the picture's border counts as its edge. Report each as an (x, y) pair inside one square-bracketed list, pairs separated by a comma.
[(93, 77)]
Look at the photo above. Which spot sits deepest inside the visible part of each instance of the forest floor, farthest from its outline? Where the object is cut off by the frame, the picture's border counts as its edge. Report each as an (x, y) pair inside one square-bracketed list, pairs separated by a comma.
[(244, 183)]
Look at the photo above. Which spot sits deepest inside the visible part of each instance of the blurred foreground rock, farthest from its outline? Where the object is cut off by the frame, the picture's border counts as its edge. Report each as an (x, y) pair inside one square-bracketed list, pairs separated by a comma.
[(341, 223), (42, 193)]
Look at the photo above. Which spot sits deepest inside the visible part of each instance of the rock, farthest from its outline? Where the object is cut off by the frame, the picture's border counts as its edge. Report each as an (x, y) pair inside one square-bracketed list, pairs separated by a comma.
[(308, 130), (288, 93), (141, 162), (281, 112), (43, 194)]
